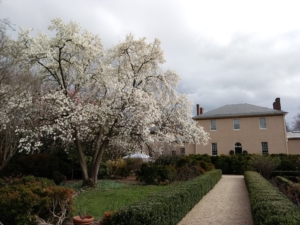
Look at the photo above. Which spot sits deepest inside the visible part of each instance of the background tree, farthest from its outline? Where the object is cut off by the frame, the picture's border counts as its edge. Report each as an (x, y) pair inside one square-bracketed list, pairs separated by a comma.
[(296, 122), (16, 86), (93, 99)]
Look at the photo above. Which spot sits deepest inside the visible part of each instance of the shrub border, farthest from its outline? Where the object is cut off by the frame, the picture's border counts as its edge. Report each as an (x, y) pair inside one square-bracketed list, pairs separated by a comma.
[(268, 205)]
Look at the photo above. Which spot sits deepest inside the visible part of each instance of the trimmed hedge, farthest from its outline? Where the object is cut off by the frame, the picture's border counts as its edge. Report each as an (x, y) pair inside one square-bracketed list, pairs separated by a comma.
[(167, 207), (269, 206)]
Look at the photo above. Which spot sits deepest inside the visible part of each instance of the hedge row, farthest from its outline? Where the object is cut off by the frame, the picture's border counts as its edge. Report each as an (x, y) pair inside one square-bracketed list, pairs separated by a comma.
[(269, 206), (167, 207)]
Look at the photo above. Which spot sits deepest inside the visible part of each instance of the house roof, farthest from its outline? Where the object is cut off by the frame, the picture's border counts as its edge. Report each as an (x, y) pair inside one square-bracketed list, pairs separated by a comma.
[(293, 135), (239, 110)]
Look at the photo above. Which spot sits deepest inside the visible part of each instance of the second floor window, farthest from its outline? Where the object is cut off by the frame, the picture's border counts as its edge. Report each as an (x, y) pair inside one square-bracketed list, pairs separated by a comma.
[(213, 125), (262, 123), (236, 124)]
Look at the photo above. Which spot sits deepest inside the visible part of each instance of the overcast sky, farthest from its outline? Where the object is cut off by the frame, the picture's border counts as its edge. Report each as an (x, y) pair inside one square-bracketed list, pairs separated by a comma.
[(226, 52)]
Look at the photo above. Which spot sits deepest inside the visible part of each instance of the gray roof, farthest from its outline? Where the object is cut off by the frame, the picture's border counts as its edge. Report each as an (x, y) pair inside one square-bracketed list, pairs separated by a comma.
[(293, 135), (239, 110)]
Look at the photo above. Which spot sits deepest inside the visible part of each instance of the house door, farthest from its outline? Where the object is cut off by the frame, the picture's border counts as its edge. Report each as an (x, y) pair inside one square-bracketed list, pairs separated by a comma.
[(238, 148)]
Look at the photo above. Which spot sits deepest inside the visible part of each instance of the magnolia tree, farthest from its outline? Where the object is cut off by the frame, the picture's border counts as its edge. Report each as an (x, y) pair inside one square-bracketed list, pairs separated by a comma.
[(103, 97)]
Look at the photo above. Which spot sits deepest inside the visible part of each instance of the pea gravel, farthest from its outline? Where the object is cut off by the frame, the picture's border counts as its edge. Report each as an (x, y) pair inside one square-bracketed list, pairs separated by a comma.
[(226, 204)]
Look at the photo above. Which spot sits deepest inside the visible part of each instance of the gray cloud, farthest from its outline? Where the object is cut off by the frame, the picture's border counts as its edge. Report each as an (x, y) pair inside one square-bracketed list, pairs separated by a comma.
[(248, 66)]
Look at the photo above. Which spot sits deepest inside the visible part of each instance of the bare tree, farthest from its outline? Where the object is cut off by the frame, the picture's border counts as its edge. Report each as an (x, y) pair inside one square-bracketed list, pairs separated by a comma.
[(296, 122)]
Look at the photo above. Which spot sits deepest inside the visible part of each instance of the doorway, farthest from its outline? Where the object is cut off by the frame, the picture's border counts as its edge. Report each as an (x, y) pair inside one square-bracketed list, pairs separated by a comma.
[(238, 148)]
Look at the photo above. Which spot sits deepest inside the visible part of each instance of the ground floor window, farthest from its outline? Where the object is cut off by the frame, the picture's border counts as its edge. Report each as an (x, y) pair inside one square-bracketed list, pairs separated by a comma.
[(173, 152), (214, 149), (264, 148), (182, 151), (238, 148)]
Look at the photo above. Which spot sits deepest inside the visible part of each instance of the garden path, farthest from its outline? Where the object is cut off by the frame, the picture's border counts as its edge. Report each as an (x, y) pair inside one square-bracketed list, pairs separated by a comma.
[(226, 204)]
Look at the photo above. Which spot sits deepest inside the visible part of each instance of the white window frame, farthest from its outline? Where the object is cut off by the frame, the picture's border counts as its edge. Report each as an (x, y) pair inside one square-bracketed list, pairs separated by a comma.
[(214, 149), (236, 126), (262, 123), (213, 125), (264, 148)]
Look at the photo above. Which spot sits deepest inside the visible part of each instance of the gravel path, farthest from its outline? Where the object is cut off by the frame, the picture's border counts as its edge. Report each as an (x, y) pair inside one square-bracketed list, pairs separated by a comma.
[(226, 204)]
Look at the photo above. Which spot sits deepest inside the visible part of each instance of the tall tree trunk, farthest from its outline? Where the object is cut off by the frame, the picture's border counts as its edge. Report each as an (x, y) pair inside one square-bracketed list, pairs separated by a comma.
[(97, 161), (84, 171)]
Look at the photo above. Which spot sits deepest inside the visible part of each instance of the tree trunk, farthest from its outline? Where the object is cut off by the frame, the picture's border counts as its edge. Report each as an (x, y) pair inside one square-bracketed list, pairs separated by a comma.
[(84, 171), (97, 161)]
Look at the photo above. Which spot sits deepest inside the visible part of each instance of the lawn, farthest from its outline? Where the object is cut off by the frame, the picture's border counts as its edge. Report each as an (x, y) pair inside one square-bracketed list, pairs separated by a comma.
[(110, 195)]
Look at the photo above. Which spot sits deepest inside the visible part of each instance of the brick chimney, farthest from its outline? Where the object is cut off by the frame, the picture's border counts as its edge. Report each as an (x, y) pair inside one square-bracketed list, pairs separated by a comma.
[(276, 104), (199, 110)]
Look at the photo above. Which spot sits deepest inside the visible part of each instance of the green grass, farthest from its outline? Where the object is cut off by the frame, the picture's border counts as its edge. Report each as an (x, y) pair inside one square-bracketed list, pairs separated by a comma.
[(110, 195)]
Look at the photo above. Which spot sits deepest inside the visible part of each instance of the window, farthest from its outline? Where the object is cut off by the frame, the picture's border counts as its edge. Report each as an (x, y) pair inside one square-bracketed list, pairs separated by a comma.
[(173, 152), (264, 148), (213, 125), (262, 123), (182, 151), (236, 124), (214, 149)]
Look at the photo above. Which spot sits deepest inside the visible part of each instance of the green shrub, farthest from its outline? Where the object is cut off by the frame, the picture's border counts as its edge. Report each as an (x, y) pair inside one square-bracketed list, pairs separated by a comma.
[(285, 173), (117, 168), (59, 178), (166, 174), (167, 207), (133, 164), (147, 173), (23, 200), (103, 170), (265, 164), (188, 172), (269, 206)]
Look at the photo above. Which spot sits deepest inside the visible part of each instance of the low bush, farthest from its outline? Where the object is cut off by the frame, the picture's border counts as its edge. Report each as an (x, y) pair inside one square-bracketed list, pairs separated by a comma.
[(167, 207), (285, 173), (268, 205), (133, 164), (117, 168), (167, 169), (233, 164), (29, 199), (103, 170), (265, 164), (147, 173), (289, 188)]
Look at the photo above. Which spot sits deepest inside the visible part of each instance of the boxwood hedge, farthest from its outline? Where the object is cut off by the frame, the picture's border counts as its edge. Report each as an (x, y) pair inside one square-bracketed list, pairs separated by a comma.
[(269, 206), (167, 207)]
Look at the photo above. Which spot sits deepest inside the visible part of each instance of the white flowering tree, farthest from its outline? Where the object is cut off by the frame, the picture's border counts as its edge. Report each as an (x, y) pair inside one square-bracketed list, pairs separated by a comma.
[(16, 88), (102, 97)]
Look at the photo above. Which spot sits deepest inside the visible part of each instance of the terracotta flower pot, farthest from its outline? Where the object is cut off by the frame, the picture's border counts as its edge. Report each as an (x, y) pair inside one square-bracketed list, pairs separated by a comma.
[(87, 220)]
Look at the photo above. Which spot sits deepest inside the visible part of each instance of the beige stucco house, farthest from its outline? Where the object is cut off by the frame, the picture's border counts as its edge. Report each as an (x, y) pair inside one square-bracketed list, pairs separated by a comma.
[(244, 127)]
